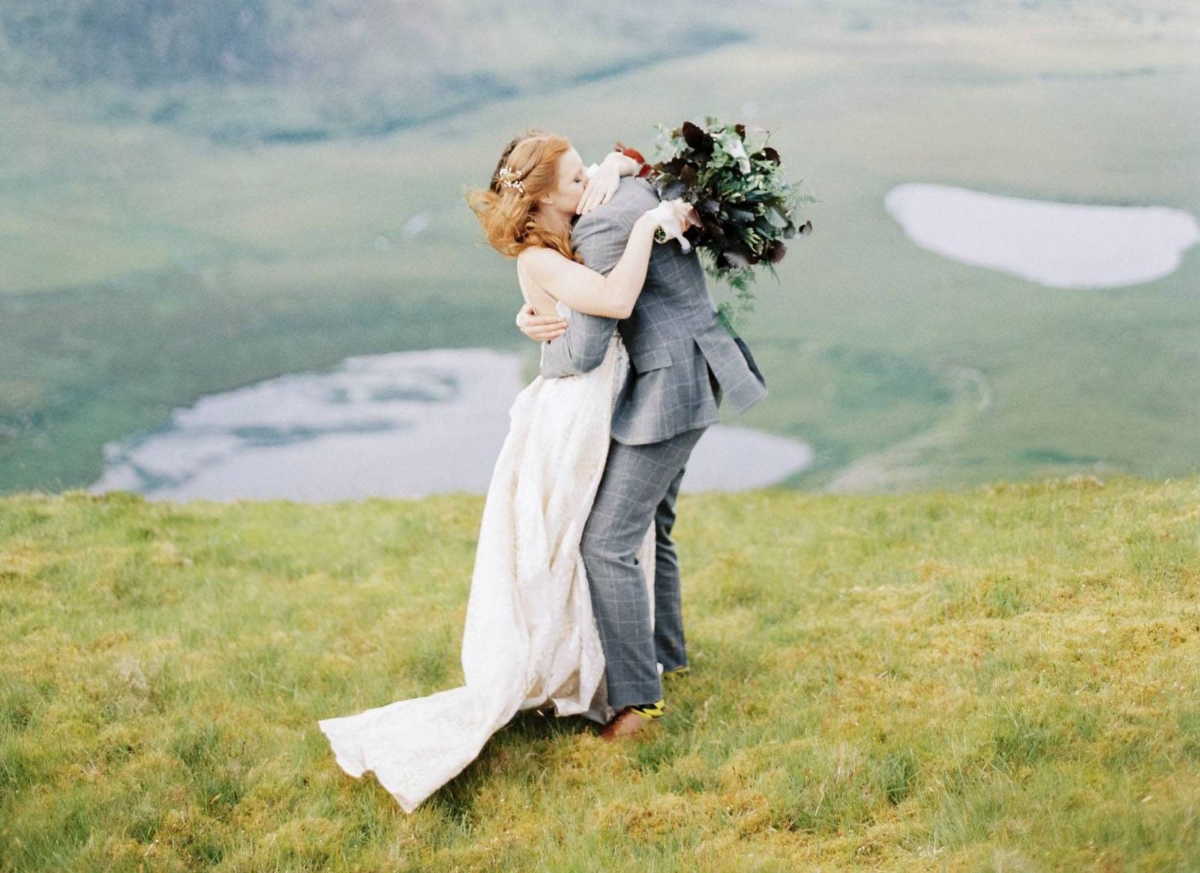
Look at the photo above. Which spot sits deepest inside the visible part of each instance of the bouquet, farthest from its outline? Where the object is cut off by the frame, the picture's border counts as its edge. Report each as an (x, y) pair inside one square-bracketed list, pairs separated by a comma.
[(735, 182)]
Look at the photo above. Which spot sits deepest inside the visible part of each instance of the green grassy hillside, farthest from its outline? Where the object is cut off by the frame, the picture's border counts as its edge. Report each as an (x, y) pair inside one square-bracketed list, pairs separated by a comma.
[(1001, 679), (294, 71)]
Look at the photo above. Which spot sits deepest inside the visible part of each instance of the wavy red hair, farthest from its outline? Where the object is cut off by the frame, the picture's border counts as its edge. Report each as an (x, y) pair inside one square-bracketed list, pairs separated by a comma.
[(510, 217)]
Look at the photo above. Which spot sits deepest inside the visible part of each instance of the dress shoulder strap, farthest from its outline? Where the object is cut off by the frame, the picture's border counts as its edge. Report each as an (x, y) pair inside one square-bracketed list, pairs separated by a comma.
[(521, 283)]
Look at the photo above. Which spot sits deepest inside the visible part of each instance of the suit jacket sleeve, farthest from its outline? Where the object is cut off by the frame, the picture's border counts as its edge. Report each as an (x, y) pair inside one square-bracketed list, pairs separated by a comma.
[(601, 237)]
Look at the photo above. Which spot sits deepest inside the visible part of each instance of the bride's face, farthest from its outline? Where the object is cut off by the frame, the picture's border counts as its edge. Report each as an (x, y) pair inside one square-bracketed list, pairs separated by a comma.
[(572, 179)]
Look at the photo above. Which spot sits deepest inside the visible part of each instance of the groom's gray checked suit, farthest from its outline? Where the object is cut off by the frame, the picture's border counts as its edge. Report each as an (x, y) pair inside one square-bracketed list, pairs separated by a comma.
[(683, 363)]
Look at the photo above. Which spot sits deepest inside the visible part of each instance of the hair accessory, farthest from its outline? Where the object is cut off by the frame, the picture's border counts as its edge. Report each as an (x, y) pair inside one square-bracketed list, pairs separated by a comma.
[(510, 178)]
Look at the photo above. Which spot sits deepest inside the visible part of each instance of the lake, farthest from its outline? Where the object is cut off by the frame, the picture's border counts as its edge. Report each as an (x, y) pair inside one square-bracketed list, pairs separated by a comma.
[(402, 424)]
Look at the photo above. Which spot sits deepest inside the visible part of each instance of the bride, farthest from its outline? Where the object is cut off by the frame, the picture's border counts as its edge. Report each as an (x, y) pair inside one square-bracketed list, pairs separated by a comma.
[(530, 640)]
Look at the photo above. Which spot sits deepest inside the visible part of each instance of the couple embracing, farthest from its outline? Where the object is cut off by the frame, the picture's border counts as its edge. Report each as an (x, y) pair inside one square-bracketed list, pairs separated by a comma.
[(575, 596)]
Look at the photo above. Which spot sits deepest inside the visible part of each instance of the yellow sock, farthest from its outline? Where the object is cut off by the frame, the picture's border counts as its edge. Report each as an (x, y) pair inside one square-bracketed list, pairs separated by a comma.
[(652, 710)]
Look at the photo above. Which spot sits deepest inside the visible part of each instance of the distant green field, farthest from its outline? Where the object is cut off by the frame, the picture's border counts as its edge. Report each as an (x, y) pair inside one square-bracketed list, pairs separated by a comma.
[(1006, 679), (145, 266)]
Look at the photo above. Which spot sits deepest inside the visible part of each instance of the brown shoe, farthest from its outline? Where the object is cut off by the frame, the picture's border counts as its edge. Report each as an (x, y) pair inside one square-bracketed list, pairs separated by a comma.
[(631, 720)]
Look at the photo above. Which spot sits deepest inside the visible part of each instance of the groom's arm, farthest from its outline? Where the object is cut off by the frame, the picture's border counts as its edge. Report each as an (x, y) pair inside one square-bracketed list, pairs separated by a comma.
[(600, 236)]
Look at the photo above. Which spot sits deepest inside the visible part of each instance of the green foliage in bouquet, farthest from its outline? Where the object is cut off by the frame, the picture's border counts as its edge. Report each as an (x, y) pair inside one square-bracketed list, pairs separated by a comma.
[(747, 208)]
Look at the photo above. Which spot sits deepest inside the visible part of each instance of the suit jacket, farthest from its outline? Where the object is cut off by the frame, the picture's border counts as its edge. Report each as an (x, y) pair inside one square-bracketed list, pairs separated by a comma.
[(673, 335)]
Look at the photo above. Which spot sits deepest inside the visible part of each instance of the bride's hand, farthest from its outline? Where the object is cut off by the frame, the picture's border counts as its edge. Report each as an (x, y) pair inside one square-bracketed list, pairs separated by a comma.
[(675, 217), (540, 328), (601, 185)]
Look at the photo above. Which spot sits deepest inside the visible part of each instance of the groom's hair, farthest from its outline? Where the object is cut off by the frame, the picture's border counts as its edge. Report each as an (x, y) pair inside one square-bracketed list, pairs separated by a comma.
[(509, 215)]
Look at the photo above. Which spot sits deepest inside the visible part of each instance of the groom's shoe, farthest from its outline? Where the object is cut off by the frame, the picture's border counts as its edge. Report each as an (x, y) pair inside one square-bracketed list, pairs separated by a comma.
[(632, 720), (677, 673)]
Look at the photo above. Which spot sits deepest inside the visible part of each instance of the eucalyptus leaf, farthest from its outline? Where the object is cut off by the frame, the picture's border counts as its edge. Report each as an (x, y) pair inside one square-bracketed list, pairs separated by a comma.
[(777, 218)]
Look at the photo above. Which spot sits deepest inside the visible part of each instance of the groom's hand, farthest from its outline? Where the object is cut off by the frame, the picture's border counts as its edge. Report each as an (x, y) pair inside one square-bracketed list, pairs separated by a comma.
[(540, 328)]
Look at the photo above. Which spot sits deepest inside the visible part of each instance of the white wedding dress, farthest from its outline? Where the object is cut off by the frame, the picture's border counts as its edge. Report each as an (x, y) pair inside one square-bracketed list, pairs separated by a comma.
[(530, 639)]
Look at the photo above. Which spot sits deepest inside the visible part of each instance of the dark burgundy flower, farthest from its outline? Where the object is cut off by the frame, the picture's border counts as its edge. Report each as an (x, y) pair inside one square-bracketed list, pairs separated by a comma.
[(697, 138)]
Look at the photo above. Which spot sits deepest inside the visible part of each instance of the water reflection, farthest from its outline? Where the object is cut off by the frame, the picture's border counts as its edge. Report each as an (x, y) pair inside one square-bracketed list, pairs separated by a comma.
[(405, 424)]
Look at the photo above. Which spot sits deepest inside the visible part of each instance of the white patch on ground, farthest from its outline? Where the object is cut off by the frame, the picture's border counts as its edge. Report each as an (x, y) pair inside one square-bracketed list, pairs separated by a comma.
[(1060, 245)]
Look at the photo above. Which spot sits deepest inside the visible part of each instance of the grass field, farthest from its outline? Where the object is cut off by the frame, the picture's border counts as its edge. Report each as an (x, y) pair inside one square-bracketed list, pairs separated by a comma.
[(144, 266), (1000, 679)]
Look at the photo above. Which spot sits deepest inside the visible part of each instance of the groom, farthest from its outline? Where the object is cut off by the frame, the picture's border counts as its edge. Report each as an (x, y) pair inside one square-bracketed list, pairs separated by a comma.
[(683, 362)]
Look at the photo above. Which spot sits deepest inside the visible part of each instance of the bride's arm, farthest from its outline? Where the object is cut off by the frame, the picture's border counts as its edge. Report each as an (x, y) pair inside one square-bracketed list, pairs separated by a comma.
[(584, 289)]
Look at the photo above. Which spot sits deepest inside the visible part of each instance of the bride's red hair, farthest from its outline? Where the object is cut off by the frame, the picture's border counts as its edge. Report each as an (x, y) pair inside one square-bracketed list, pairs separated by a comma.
[(510, 217)]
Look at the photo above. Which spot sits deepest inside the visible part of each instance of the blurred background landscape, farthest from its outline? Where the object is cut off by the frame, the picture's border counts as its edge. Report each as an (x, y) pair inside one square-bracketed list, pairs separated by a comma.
[(234, 247), (198, 197)]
